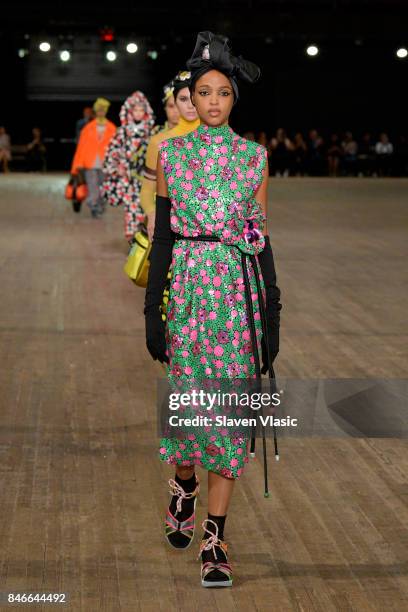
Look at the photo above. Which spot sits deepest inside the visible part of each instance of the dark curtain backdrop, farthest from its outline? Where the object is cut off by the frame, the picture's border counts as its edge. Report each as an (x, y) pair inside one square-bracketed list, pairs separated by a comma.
[(346, 87)]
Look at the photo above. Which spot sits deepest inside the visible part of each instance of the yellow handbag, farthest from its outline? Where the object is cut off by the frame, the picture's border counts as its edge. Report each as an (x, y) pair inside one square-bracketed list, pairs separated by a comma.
[(137, 264)]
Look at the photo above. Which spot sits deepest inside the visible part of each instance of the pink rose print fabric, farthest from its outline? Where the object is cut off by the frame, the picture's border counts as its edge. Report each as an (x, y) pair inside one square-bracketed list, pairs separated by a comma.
[(212, 176)]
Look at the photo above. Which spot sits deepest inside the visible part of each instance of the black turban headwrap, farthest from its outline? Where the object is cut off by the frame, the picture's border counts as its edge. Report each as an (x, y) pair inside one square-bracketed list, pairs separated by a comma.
[(213, 52)]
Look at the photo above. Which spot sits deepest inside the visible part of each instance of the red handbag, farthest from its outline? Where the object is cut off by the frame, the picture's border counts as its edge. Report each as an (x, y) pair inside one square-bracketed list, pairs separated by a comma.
[(76, 188), (81, 192), (70, 189)]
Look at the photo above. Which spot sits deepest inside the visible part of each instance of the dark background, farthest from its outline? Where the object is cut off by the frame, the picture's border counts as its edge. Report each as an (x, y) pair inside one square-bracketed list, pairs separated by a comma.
[(355, 83)]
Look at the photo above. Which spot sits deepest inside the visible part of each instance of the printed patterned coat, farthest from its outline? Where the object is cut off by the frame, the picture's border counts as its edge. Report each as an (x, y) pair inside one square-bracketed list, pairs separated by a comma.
[(124, 162)]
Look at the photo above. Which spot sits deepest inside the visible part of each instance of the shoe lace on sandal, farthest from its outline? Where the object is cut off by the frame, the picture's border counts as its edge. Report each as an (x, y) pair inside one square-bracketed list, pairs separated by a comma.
[(212, 541), (176, 489)]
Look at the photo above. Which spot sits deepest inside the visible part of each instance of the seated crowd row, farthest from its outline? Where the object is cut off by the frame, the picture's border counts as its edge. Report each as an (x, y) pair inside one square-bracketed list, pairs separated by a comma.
[(335, 156)]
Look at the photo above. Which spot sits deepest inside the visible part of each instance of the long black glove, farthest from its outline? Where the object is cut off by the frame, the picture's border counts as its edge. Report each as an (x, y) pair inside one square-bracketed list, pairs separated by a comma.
[(160, 260), (273, 305)]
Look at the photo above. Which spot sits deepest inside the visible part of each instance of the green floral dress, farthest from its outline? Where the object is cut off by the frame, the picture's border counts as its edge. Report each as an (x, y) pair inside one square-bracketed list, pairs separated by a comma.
[(212, 175)]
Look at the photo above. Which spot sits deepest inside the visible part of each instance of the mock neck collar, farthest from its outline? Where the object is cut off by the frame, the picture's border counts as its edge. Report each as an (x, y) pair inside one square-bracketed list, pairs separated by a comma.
[(219, 130), (187, 126)]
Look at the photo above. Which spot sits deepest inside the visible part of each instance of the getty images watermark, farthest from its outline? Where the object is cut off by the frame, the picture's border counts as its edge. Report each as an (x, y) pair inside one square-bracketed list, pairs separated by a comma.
[(230, 407), (291, 407), (215, 409)]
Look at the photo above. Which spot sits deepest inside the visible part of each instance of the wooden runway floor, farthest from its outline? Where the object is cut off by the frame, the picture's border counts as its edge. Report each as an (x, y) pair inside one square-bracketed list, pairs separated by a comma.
[(82, 491)]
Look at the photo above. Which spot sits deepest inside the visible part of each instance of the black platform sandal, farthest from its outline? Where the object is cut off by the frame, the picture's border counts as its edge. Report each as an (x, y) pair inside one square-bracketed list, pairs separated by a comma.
[(187, 527), (217, 572)]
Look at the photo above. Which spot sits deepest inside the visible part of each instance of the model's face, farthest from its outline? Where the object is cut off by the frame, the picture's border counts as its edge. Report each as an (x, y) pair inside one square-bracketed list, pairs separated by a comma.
[(184, 105), (88, 112), (213, 97), (172, 112), (138, 112), (100, 112)]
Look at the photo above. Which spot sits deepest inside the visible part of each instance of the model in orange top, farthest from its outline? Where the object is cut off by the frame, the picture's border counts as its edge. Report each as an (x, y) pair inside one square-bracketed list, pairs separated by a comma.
[(90, 153)]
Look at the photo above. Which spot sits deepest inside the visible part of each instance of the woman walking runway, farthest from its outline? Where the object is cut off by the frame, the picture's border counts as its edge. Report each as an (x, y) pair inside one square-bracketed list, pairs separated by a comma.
[(90, 154), (125, 159), (187, 121), (224, 308)]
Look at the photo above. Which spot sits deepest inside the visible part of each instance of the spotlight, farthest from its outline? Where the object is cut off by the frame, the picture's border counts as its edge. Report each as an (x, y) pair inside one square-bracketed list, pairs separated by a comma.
[(312, 50), (44, 46), (65, 55), (111, 56), (131, 47), (22, 52), (153, 54), (402, 52)]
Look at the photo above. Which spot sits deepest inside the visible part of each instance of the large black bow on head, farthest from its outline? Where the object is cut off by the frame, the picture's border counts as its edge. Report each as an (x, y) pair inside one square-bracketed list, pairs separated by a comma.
[(213, 52)]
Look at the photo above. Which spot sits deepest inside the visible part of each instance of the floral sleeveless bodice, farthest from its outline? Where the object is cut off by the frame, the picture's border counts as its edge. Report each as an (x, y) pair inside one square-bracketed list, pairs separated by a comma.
[(212, 175)]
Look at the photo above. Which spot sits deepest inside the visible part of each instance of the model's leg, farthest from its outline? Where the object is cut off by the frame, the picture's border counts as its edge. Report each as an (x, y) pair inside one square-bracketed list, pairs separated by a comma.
[(219, 493), (213, 548), (93, 190), (180, 518), (184, 472)]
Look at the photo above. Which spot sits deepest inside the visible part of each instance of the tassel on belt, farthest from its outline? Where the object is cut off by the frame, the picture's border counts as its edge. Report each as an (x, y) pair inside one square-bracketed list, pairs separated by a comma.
[(262, 309)]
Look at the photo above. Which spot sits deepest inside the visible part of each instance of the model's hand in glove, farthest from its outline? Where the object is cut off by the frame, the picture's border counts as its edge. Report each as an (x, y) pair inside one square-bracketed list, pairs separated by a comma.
[(155, 334), (273, 307), (160, 260)]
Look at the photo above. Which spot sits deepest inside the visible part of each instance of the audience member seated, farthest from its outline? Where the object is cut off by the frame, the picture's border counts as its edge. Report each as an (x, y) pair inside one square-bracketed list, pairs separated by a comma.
[(35, 157), (299, 155), (400, 156), (366, 156), (384, 151), (315, 154), (249, 136), (350, 149), (334, 154), (281, 153), (262, 139), (5, 149)]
